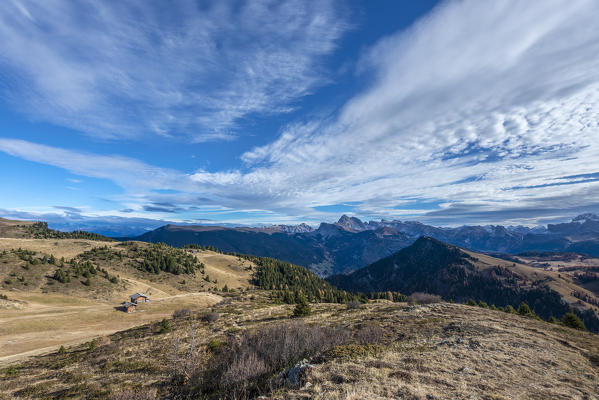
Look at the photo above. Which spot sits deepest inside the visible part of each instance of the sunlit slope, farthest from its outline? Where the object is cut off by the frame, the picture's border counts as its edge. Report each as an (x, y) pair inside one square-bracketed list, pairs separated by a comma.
[(62, 291)]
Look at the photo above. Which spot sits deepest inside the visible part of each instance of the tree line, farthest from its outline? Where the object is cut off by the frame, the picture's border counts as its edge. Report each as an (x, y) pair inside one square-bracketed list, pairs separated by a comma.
[(40, 230)]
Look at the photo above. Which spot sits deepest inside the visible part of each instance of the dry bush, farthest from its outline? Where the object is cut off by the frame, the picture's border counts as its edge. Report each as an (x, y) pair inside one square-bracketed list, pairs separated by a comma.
[(224, 302), (424, 298), (253, 356), (245, 365), (210, 317), (353, 305), (181, 313), (369, 334)]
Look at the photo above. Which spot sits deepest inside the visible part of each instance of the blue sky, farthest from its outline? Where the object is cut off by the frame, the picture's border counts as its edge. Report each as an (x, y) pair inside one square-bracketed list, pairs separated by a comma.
[(138, 112)]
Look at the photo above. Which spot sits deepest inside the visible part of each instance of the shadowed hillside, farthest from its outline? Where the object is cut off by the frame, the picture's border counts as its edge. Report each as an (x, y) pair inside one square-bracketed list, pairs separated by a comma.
[(434, 267), (325, 251), (350, 244)]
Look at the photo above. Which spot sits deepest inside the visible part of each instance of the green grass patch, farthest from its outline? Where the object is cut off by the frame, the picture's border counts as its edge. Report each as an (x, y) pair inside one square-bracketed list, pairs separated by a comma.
[(10, 371)]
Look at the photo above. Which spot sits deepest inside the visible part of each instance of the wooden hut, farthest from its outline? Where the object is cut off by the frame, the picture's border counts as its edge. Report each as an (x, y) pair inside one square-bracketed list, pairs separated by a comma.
[(139, 298), (129, 307)]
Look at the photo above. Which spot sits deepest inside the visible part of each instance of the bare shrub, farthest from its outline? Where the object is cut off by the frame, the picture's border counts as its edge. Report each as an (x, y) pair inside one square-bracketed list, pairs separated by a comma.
[(369, 334), (250, 359), (186, 365), (181, 313), (210, 317), (224, 302), (353, 305), (246, 365), (424, 298), (246, 369)]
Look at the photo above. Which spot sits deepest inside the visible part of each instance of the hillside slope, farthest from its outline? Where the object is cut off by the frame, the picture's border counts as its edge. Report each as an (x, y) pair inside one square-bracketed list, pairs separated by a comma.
[(434, 267), (15, 229), (64, 291), (387, 351)]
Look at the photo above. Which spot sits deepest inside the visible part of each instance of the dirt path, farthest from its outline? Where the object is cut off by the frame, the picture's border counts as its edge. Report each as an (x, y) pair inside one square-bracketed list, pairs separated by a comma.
[(144, 287)]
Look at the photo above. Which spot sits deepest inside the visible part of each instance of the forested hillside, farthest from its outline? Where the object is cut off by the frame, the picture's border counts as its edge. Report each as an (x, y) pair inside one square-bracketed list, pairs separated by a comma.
[(434, 267)]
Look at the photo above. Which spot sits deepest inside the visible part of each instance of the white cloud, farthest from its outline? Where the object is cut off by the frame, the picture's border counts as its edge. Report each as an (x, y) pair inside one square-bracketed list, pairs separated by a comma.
[(129, 69), (506, 91), (484, 108), (127, 172)]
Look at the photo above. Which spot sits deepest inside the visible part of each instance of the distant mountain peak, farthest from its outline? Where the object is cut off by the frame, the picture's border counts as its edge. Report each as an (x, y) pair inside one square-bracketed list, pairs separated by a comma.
[(346, 218), (301, 228), (586, 217), (351, 223)]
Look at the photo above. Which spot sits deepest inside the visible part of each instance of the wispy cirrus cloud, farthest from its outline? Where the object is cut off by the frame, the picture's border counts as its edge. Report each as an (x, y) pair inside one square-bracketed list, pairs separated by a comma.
[(126, 172), (127, 69), (481, 105)]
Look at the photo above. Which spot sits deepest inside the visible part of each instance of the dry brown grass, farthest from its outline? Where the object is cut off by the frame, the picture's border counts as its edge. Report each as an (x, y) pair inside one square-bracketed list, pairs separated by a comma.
[(456, 351), (428, 352), (63, 320), (10, 228), (40, 317), (433, 351), (232, 271), (67, 248)]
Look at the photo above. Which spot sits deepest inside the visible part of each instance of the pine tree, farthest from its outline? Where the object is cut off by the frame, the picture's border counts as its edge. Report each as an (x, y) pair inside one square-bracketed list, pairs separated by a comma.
[(302, 308), (509, 309), (165, 326), (571, 320), (60, 276), (524, 309)]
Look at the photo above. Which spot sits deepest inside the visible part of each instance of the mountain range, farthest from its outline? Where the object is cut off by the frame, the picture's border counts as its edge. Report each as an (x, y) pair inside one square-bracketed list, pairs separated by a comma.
[(350, 243)]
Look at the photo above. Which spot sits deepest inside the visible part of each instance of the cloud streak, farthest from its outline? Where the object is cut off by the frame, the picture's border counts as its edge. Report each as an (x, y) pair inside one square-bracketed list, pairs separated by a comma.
[(129, 70)]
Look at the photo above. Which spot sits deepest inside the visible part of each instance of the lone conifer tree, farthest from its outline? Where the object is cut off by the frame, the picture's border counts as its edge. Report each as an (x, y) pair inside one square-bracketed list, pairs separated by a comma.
[(571, 320), (302, 308)]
